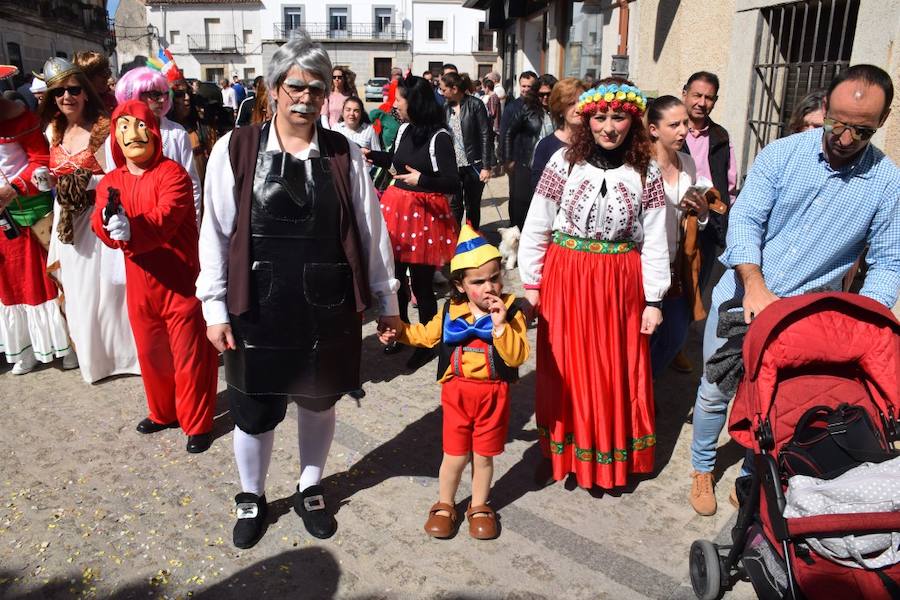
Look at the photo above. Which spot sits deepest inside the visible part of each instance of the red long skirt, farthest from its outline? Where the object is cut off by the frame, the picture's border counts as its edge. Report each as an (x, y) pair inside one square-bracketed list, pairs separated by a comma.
[(594, 397)]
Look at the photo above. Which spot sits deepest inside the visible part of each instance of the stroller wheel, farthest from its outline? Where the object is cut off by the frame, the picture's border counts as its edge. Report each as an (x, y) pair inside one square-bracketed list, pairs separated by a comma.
[(706, 570)]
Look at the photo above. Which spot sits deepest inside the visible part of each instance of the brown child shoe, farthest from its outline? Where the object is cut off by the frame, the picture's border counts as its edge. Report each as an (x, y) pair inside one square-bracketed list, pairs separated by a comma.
[(482, 522), (440, 526)]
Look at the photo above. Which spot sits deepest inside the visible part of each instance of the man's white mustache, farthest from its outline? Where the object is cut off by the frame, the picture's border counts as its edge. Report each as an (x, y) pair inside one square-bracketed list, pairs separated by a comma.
[(303, 109)]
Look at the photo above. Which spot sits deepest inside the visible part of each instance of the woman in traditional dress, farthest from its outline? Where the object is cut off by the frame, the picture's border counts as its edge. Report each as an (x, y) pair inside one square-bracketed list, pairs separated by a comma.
[(595, 264), (92, 276), (32, 329), (416, 208)]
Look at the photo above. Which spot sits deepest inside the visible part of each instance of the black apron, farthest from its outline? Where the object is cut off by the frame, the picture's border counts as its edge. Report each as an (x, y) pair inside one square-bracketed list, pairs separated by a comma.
[(303, 335)]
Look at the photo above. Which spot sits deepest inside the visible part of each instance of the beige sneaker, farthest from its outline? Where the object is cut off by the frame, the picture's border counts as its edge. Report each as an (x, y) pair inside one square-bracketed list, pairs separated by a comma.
[(703, 497)]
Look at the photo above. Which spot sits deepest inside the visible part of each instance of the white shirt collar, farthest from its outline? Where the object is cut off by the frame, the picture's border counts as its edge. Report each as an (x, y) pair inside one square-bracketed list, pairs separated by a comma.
[(311, 151)]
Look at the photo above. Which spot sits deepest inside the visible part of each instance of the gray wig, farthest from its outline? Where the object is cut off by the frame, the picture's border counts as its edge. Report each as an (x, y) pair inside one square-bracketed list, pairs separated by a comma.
[(304, 53)]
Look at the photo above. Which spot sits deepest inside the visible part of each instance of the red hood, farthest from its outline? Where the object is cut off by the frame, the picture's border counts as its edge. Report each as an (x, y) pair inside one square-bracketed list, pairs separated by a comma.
[(392, 94), (136, 108)]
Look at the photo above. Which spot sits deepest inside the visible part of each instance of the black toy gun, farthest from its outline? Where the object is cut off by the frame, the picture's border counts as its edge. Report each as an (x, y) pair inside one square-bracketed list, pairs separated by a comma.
[(113, 203)]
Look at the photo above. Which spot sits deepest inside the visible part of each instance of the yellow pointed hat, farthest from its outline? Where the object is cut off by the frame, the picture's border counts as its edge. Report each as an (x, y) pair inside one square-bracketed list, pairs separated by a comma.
[(472, 250)]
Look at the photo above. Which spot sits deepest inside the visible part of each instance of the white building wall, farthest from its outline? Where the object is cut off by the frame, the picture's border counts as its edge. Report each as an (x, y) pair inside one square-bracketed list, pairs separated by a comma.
[(193, 21), (316, 14), (460, 36)]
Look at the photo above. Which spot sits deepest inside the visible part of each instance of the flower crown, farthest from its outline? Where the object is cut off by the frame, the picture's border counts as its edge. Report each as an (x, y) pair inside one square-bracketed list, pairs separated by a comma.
[(613, 96)]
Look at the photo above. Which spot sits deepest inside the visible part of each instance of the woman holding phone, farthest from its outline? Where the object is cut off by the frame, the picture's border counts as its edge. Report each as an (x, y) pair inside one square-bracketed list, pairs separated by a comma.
[(687, 213)]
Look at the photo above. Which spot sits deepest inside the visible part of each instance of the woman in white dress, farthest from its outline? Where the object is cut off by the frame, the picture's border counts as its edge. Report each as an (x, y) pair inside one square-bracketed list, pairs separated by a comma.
[(92, 275)]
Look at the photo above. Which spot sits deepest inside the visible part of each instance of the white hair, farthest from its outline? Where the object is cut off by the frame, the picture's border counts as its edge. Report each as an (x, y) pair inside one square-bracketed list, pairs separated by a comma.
[(304, 53)]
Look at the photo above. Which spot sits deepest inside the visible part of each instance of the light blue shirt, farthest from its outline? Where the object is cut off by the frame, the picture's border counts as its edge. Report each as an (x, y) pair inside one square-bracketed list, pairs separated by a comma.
[(805, 224)]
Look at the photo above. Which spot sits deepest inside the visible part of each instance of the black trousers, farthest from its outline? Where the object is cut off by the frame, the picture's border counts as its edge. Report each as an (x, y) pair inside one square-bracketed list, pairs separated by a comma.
[(420, 280), (468, 198), (259, 413), (520, 193)]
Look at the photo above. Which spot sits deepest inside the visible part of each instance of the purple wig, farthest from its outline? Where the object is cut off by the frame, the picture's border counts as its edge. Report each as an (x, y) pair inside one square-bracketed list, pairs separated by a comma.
[(143, 79)]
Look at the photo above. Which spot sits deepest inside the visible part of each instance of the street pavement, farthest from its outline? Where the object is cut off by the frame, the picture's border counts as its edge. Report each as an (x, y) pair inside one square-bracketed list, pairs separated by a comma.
[(89, 508)]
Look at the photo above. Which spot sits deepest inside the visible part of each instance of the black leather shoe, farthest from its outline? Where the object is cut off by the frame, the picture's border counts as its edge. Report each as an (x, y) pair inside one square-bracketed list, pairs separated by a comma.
[(310, 505), (420, 358), (251, 519), (394, 348), (199, 443), (148, 426)]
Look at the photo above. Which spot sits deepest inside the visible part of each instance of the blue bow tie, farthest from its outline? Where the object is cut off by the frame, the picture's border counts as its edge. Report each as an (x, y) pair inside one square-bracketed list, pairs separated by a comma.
[(459, 330)]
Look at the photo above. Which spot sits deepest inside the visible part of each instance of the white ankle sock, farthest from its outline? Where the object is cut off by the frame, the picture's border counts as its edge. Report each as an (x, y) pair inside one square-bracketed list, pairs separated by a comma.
[(252, 453), (315, 431)]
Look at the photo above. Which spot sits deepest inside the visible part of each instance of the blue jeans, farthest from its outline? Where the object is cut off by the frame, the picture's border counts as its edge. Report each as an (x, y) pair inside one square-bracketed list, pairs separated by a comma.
[(711, 406), (671, 335)]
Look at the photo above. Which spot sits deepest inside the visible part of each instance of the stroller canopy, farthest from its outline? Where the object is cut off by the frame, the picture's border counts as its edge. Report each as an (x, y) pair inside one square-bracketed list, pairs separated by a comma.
[(819, 329)]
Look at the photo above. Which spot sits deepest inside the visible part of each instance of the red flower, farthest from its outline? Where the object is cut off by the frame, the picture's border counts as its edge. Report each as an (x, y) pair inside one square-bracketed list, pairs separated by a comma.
[(615, 105), (602, 106)]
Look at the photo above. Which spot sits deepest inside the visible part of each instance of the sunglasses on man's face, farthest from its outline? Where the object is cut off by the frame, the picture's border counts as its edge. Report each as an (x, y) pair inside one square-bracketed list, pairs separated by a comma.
[(74, 90), (857, 132), (543, 94)]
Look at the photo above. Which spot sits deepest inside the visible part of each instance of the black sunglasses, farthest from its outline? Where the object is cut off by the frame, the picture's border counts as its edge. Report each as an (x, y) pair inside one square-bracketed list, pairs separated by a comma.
[(74, 90), (337, 76), (179, 93), (154, 95)]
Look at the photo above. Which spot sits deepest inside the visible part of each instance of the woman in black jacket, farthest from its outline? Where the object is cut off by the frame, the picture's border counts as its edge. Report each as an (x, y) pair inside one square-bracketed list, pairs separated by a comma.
[(415, 208), (519, 141), (473, 141)]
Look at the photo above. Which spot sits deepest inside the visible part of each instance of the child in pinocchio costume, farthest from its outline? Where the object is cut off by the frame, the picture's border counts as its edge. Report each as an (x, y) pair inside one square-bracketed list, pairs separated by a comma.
[(481, 342)]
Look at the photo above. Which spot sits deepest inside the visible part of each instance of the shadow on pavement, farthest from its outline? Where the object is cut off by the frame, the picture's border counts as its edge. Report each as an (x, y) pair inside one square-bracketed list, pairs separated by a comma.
[(417, 452), (311, 573)]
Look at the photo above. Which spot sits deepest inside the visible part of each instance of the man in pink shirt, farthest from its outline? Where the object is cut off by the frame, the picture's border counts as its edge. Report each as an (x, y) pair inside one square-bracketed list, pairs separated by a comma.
[(710, 146)]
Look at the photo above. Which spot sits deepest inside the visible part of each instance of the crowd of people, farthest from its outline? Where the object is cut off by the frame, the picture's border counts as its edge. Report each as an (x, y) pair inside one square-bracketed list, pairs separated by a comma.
[(145, 232)]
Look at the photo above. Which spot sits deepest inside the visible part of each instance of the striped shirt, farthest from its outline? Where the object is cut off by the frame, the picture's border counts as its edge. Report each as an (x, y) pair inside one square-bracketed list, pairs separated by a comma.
[(805, 223)]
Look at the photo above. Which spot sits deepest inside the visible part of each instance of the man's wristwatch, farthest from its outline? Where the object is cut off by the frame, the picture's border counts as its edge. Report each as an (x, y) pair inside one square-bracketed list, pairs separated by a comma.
[(655, 304)]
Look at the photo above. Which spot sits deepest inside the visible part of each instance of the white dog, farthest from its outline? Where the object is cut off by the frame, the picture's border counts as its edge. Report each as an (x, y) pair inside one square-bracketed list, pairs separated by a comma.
[(509, 245)]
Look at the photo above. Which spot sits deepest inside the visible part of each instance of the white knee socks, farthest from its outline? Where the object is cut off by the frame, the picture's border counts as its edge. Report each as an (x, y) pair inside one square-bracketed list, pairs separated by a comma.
[(315, 430), (253, 454)]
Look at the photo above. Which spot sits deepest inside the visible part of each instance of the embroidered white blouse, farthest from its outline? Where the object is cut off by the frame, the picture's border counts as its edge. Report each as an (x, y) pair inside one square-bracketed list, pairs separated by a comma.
[(574, 204)]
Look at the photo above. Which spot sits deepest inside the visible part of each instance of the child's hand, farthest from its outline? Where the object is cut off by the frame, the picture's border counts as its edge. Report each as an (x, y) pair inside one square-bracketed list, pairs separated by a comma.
[(387, 336), (497, 310)]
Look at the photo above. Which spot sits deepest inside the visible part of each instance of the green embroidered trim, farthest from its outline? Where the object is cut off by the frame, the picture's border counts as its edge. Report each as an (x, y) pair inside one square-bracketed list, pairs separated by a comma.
[(592, 455), (592, 246), (22, 351)]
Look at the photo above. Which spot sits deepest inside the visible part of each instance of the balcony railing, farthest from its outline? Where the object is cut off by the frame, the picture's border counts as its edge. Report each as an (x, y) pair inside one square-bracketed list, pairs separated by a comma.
[(484, 43), (355, 32), (215, 43)]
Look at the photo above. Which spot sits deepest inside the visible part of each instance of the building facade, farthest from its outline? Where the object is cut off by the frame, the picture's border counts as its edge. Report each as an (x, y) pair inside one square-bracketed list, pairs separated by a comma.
[(767, 53), (443, 31), (31, 31), (211, 40)]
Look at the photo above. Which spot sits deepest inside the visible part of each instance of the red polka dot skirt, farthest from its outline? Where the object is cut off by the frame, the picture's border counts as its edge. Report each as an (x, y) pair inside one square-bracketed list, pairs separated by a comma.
[(421, 226)]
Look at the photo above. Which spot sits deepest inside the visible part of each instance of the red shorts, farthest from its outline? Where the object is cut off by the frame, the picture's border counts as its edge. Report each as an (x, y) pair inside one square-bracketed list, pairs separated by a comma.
[(476, 416)]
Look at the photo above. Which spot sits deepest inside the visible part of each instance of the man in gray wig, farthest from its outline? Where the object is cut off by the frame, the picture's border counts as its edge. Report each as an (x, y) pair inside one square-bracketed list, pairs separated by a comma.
[(293, 249)]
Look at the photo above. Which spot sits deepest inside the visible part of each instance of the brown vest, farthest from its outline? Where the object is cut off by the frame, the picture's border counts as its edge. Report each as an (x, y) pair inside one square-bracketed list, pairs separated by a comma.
[(243, 148)]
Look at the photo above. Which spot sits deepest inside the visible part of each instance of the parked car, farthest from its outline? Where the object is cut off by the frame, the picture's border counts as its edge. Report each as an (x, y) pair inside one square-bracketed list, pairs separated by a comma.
[(375, 87)]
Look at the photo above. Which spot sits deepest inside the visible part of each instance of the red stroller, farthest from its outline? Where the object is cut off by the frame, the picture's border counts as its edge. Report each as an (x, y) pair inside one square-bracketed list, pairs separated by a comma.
[(817, 349)]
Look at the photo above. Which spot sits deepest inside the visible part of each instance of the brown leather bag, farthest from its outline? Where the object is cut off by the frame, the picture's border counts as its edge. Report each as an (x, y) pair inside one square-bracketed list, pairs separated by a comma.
[(687, 256)]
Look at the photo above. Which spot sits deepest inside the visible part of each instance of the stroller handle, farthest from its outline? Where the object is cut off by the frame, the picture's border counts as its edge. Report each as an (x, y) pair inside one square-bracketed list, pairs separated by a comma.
[(844, 524)]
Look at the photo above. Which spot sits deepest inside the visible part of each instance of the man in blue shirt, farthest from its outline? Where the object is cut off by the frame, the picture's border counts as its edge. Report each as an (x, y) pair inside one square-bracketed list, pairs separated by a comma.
[(811, 203), (239, 92)]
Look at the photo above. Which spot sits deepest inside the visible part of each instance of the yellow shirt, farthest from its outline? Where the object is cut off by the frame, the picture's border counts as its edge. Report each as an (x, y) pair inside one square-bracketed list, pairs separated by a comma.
[(511, 345)]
